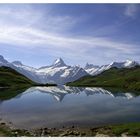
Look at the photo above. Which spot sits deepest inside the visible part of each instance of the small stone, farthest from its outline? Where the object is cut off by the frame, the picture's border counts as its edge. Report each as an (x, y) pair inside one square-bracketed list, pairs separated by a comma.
[(2, 123), (101, 135), (71, 133), (83, 134), (124, 134), (72, 126), (93, 129), (46, 132), (16, 132), (63, 134), (76, 133), (45, 128)]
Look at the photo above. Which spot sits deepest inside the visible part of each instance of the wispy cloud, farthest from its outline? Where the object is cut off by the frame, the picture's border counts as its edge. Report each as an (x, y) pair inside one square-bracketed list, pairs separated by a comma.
[(34, 37), (131, 10), (32, 16), (31, 28)]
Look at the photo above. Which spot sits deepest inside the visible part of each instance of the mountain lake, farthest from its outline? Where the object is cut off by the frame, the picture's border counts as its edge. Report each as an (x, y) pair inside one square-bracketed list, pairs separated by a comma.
[(60, 106)]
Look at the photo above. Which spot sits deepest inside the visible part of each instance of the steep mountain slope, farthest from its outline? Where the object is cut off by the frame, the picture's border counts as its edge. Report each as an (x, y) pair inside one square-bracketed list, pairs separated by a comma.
[(58, 72), (95, 70), (11, 78), (128, 78), (28, 71)]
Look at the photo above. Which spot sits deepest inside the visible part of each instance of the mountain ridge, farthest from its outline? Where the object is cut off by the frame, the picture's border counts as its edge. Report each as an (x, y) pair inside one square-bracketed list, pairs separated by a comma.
[(127, 78), (59, 72)]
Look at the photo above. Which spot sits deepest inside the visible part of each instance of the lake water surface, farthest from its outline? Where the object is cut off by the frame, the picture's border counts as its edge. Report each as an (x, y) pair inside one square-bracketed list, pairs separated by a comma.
[(66, 106)]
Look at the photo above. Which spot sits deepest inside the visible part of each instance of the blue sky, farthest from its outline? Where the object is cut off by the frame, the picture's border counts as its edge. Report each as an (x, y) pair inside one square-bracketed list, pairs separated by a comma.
[(37, 34)]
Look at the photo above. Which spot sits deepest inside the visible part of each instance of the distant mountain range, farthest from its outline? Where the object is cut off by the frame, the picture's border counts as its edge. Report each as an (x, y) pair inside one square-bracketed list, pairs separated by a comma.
[(126, 78), (59, 72), (95, 70)]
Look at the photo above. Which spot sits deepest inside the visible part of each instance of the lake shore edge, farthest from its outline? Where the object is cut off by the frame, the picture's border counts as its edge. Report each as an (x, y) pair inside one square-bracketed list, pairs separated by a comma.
[(115, 130)]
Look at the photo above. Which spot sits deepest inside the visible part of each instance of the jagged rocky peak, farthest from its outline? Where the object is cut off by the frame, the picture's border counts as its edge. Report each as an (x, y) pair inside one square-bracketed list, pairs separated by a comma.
[(59, 62), (17, 63), (1, 57), (88, 66), (2, 60)]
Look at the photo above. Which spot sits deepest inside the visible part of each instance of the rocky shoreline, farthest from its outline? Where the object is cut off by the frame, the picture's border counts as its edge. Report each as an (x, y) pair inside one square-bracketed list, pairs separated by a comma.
[(8, 130)]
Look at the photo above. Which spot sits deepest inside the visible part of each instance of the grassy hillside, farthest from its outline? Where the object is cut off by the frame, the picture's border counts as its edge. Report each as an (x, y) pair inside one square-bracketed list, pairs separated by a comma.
[(121, 78), (14, 83), (11, 78)]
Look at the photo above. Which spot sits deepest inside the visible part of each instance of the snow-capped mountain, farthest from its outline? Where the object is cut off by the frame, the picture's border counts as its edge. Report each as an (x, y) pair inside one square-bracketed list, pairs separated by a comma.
[(125, 64), (58, 72), (59, 63), (94, 70), (28, 71), (61, 73)]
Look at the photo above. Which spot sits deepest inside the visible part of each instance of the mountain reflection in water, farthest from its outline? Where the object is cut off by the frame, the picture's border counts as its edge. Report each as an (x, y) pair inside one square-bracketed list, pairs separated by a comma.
[(60, 106), (61, 91)]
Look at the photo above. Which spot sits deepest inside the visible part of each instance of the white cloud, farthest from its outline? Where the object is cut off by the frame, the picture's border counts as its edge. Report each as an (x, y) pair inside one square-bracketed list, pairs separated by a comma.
[(27, 36), (23, 28), (31, 16), (130, 10)]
